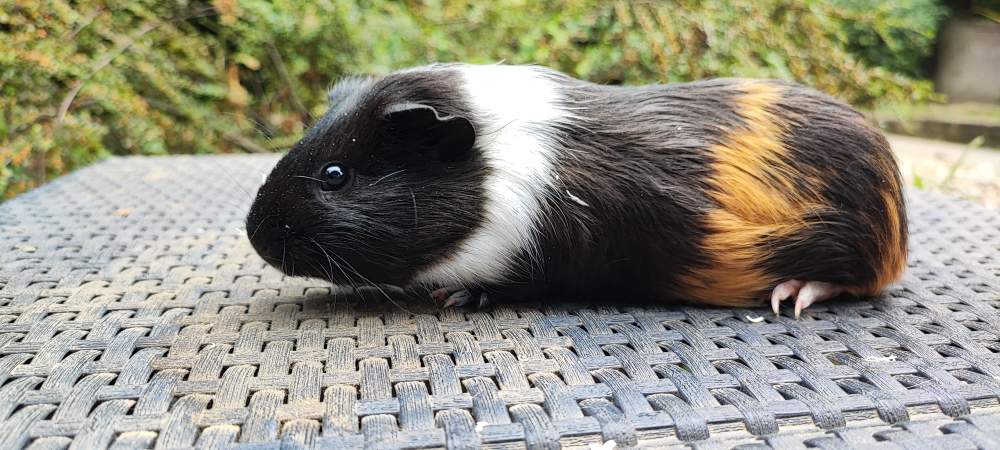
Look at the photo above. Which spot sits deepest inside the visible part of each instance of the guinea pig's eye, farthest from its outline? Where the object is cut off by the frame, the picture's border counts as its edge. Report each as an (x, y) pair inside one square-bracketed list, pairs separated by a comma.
[(334, 176)]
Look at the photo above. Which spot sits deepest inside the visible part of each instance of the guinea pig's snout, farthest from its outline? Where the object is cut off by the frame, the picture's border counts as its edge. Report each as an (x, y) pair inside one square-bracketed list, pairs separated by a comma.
[(287, 249), (269, 237)]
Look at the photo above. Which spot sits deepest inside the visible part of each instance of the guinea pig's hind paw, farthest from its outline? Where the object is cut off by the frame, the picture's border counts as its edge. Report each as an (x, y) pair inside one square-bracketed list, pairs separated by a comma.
[(458, 296), (805, 293), (783, 292)]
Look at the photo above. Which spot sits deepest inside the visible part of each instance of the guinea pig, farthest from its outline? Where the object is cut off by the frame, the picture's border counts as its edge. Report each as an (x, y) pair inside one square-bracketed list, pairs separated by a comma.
[(504, 182)]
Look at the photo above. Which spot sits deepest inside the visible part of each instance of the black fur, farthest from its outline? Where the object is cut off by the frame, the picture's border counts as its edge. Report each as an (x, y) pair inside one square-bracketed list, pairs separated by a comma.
[(628, 212), (412, 198), (833, 143), (639, 160)]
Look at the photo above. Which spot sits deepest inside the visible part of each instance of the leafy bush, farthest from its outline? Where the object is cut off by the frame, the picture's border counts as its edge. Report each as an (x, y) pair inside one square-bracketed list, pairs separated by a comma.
[(898, 36), (84, 79)]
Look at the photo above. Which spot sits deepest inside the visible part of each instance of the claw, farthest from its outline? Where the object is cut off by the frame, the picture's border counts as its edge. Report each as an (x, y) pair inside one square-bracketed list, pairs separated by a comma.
[(484, 301), (813, 292), (805, 293), (458, 296), (445, 292), (783, 292)]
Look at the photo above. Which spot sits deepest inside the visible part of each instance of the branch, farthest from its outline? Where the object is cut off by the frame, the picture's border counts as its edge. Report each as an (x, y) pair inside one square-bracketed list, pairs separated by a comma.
[(110, 56), (244, 142), (272, 51), (83, 24), (102, 63)]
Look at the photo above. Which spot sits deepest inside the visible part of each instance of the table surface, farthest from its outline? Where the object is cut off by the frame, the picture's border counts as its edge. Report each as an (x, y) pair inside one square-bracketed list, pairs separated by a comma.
[(135, 314)]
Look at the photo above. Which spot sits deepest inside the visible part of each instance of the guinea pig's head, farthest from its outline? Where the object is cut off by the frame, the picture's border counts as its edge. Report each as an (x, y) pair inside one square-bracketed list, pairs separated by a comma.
[(386, 183)]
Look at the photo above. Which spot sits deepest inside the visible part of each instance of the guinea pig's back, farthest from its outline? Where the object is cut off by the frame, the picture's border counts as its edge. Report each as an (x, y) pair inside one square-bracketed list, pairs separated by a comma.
[(804, 189)]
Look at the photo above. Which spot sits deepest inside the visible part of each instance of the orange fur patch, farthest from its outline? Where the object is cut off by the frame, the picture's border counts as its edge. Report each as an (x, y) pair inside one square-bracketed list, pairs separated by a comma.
[(890, 233), (753, 187), (893, 248)]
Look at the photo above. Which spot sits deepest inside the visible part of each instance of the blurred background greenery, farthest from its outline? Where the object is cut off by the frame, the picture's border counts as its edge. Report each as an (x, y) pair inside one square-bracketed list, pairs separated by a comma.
[(84, 79)]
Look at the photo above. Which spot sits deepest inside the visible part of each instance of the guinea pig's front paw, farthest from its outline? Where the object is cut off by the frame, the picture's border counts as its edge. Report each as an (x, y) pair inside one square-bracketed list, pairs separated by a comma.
[(461, 296)]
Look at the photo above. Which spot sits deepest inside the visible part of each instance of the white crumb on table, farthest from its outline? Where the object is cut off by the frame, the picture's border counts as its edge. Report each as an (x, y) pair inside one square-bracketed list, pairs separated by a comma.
[(607, 445)]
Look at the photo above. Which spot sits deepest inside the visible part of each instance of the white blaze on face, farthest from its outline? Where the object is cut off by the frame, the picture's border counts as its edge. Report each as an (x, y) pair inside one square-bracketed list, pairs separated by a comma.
[(513, 103)]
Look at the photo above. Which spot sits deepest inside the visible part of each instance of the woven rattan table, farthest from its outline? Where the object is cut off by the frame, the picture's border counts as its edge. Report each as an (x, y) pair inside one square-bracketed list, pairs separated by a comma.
[(134, 314)]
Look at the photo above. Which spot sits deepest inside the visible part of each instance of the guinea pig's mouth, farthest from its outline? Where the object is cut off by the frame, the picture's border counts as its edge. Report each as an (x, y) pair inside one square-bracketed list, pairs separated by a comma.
[(295, 251), (298, 258)]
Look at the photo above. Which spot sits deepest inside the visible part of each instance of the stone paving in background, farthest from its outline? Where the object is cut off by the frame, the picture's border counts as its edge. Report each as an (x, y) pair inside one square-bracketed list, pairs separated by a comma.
[(972, 173)]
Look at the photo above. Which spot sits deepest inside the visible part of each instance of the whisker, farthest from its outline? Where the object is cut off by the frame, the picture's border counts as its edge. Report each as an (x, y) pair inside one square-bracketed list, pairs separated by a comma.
[(308, 178), (416, 219), (331, 261), (387, 176), (239, 186), (260, 224), (318, 268), (283, 247), (376, 286)]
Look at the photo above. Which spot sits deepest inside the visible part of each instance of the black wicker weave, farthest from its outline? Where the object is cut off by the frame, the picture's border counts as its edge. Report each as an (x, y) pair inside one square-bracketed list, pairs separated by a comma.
[(134, 314)]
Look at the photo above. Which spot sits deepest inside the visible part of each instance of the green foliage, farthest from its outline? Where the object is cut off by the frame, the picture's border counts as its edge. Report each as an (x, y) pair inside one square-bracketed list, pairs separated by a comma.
[(83, 79), (897, 35)]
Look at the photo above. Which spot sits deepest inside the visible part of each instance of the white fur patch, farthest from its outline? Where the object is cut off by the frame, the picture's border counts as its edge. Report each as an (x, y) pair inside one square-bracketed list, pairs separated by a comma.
[(514, 102), (578, 200)]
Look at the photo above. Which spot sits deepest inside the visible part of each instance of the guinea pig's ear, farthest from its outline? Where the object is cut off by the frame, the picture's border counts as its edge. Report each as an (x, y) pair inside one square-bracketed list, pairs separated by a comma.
[(420, 128)]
